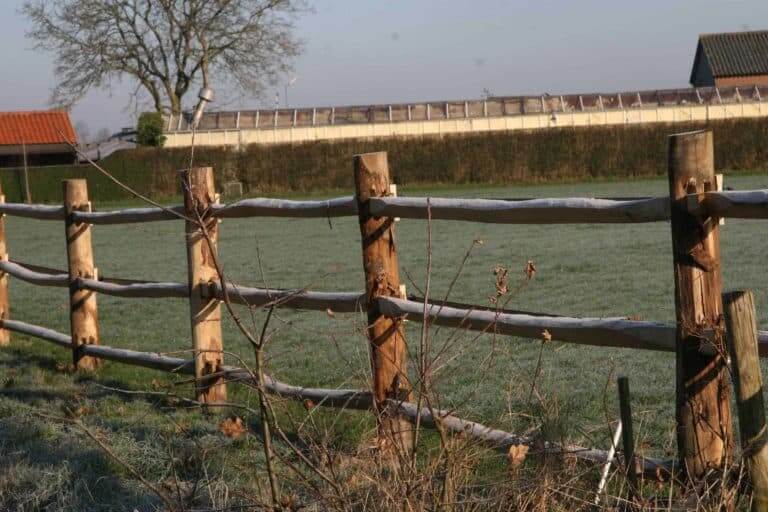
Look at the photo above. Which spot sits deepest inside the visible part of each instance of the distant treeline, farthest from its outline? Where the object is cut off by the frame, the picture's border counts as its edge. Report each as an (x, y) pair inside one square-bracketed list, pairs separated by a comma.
[(566, 154)]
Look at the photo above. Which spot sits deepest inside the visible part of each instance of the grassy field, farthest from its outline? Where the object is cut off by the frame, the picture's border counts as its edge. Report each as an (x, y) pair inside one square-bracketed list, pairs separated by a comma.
[(585, 270)]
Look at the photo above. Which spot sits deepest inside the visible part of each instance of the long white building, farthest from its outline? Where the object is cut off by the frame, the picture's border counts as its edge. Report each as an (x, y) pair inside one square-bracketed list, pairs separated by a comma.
[(496, 114)]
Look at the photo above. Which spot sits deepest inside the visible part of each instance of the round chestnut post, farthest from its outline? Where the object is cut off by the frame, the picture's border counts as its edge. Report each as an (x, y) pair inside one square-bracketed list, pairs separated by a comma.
[(83, 313), (704, 436), (382, 278), (205, 311), (5, 334), (741, 331)]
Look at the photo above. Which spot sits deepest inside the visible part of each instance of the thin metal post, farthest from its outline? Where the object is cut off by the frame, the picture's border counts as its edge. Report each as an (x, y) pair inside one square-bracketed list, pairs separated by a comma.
[(628, 435)]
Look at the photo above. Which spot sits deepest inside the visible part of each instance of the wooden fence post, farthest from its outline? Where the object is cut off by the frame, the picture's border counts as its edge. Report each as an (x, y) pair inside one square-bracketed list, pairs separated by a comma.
[(83, 312), (628, 435), (5, 309), (704, 434), (382, 278), (741, 331), (202, 254)]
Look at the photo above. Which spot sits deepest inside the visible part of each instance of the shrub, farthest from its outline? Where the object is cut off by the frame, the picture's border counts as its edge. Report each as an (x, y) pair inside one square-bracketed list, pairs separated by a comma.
[(149, 131)]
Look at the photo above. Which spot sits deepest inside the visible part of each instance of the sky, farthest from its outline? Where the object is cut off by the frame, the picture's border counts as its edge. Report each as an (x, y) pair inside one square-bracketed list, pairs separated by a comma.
[(368, 51)]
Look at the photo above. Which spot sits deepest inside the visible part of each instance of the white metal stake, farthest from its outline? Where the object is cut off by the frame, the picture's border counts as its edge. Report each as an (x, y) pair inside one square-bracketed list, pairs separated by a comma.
[(719, 187), (608, 462), (393, 193)]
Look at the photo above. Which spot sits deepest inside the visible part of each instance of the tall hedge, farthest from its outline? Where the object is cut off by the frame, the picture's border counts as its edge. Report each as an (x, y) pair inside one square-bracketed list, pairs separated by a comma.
[(493, 158)]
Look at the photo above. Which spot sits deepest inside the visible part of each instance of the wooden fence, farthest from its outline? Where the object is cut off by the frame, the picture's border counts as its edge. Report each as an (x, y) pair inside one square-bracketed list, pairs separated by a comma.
[(693, 207)]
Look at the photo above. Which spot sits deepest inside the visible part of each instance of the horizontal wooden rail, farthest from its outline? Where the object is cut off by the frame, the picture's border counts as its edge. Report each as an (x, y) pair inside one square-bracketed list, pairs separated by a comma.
[(33, 211), (748, 204), (602, 332), (599, 332), (340, 302), (531, 211), (338, 398), (265, 207), (130, 215)]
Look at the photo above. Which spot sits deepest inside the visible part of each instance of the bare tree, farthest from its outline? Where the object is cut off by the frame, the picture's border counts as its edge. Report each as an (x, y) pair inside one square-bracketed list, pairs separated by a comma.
[(165, 46)]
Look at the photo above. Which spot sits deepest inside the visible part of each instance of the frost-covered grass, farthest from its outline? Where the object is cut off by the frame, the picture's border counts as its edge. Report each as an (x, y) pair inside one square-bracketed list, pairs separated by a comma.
[(583, 270)]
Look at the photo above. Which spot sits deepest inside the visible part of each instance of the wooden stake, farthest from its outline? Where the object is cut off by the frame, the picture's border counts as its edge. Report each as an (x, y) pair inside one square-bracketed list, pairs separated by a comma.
[(382, 278), (704, 434), (628, 435), (5, 335), (205, 312), (83, 312), (741, 330)]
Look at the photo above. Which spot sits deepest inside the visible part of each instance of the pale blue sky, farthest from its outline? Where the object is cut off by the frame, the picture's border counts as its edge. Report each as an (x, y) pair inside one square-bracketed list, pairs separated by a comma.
[(366, 51)]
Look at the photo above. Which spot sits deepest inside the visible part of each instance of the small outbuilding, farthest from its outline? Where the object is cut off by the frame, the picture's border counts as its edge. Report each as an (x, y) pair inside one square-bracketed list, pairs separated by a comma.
[(40, 137), (732, 59)]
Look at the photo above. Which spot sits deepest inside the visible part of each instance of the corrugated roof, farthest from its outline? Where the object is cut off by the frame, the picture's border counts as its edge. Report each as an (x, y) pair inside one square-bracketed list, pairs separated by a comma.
[(42, 127), (736, 53)]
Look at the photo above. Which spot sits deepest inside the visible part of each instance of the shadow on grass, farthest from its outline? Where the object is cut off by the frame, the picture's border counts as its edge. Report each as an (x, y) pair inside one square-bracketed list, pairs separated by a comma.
[(43, 470)]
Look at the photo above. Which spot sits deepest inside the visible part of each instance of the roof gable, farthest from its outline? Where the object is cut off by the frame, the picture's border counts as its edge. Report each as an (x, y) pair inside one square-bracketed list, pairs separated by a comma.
[(43, 127), (734, 53)]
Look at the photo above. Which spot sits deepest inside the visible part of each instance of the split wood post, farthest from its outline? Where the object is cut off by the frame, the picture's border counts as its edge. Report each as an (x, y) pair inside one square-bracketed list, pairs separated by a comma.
[(628, 435), (741, 331), (5, 334), (205, 311), (704, 436), (83, 312), (382, 278)]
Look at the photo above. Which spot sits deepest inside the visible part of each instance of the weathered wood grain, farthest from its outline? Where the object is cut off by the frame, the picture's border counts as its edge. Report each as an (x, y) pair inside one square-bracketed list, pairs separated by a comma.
[(83, 310), (205, 311), (382, 279), (703, 408)]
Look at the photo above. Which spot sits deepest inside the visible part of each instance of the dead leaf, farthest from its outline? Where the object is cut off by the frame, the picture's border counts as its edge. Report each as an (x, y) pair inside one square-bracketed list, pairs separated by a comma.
[(546, 336), (309, 405), (232, 427), (502, 283), (330, 313), (516, 455), (530, 270)]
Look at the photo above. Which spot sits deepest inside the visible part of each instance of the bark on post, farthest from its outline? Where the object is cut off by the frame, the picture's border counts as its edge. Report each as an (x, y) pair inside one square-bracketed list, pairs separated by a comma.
[(5, 334), (382, 278), (741, 330), (205, 312), (83, 313), (704, 434)]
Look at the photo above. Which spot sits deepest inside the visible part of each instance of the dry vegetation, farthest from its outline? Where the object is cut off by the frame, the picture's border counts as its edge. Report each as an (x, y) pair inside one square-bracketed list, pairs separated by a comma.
[(141, 444)]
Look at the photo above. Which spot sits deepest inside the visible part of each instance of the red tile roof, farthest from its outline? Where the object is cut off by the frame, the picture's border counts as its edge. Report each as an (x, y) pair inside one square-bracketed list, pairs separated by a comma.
[(43, 127)]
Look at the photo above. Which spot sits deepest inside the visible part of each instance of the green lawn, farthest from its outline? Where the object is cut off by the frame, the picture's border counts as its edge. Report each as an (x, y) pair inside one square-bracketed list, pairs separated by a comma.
[(582, 270)]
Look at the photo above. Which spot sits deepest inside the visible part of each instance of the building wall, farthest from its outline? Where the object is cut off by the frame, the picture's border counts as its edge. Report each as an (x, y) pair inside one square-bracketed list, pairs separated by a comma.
[(662, 114), (738, 81), (703, 76)]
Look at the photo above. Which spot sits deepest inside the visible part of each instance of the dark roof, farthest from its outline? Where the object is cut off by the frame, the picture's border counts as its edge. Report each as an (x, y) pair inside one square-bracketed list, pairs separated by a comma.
[(734, 53), (46, 127)]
